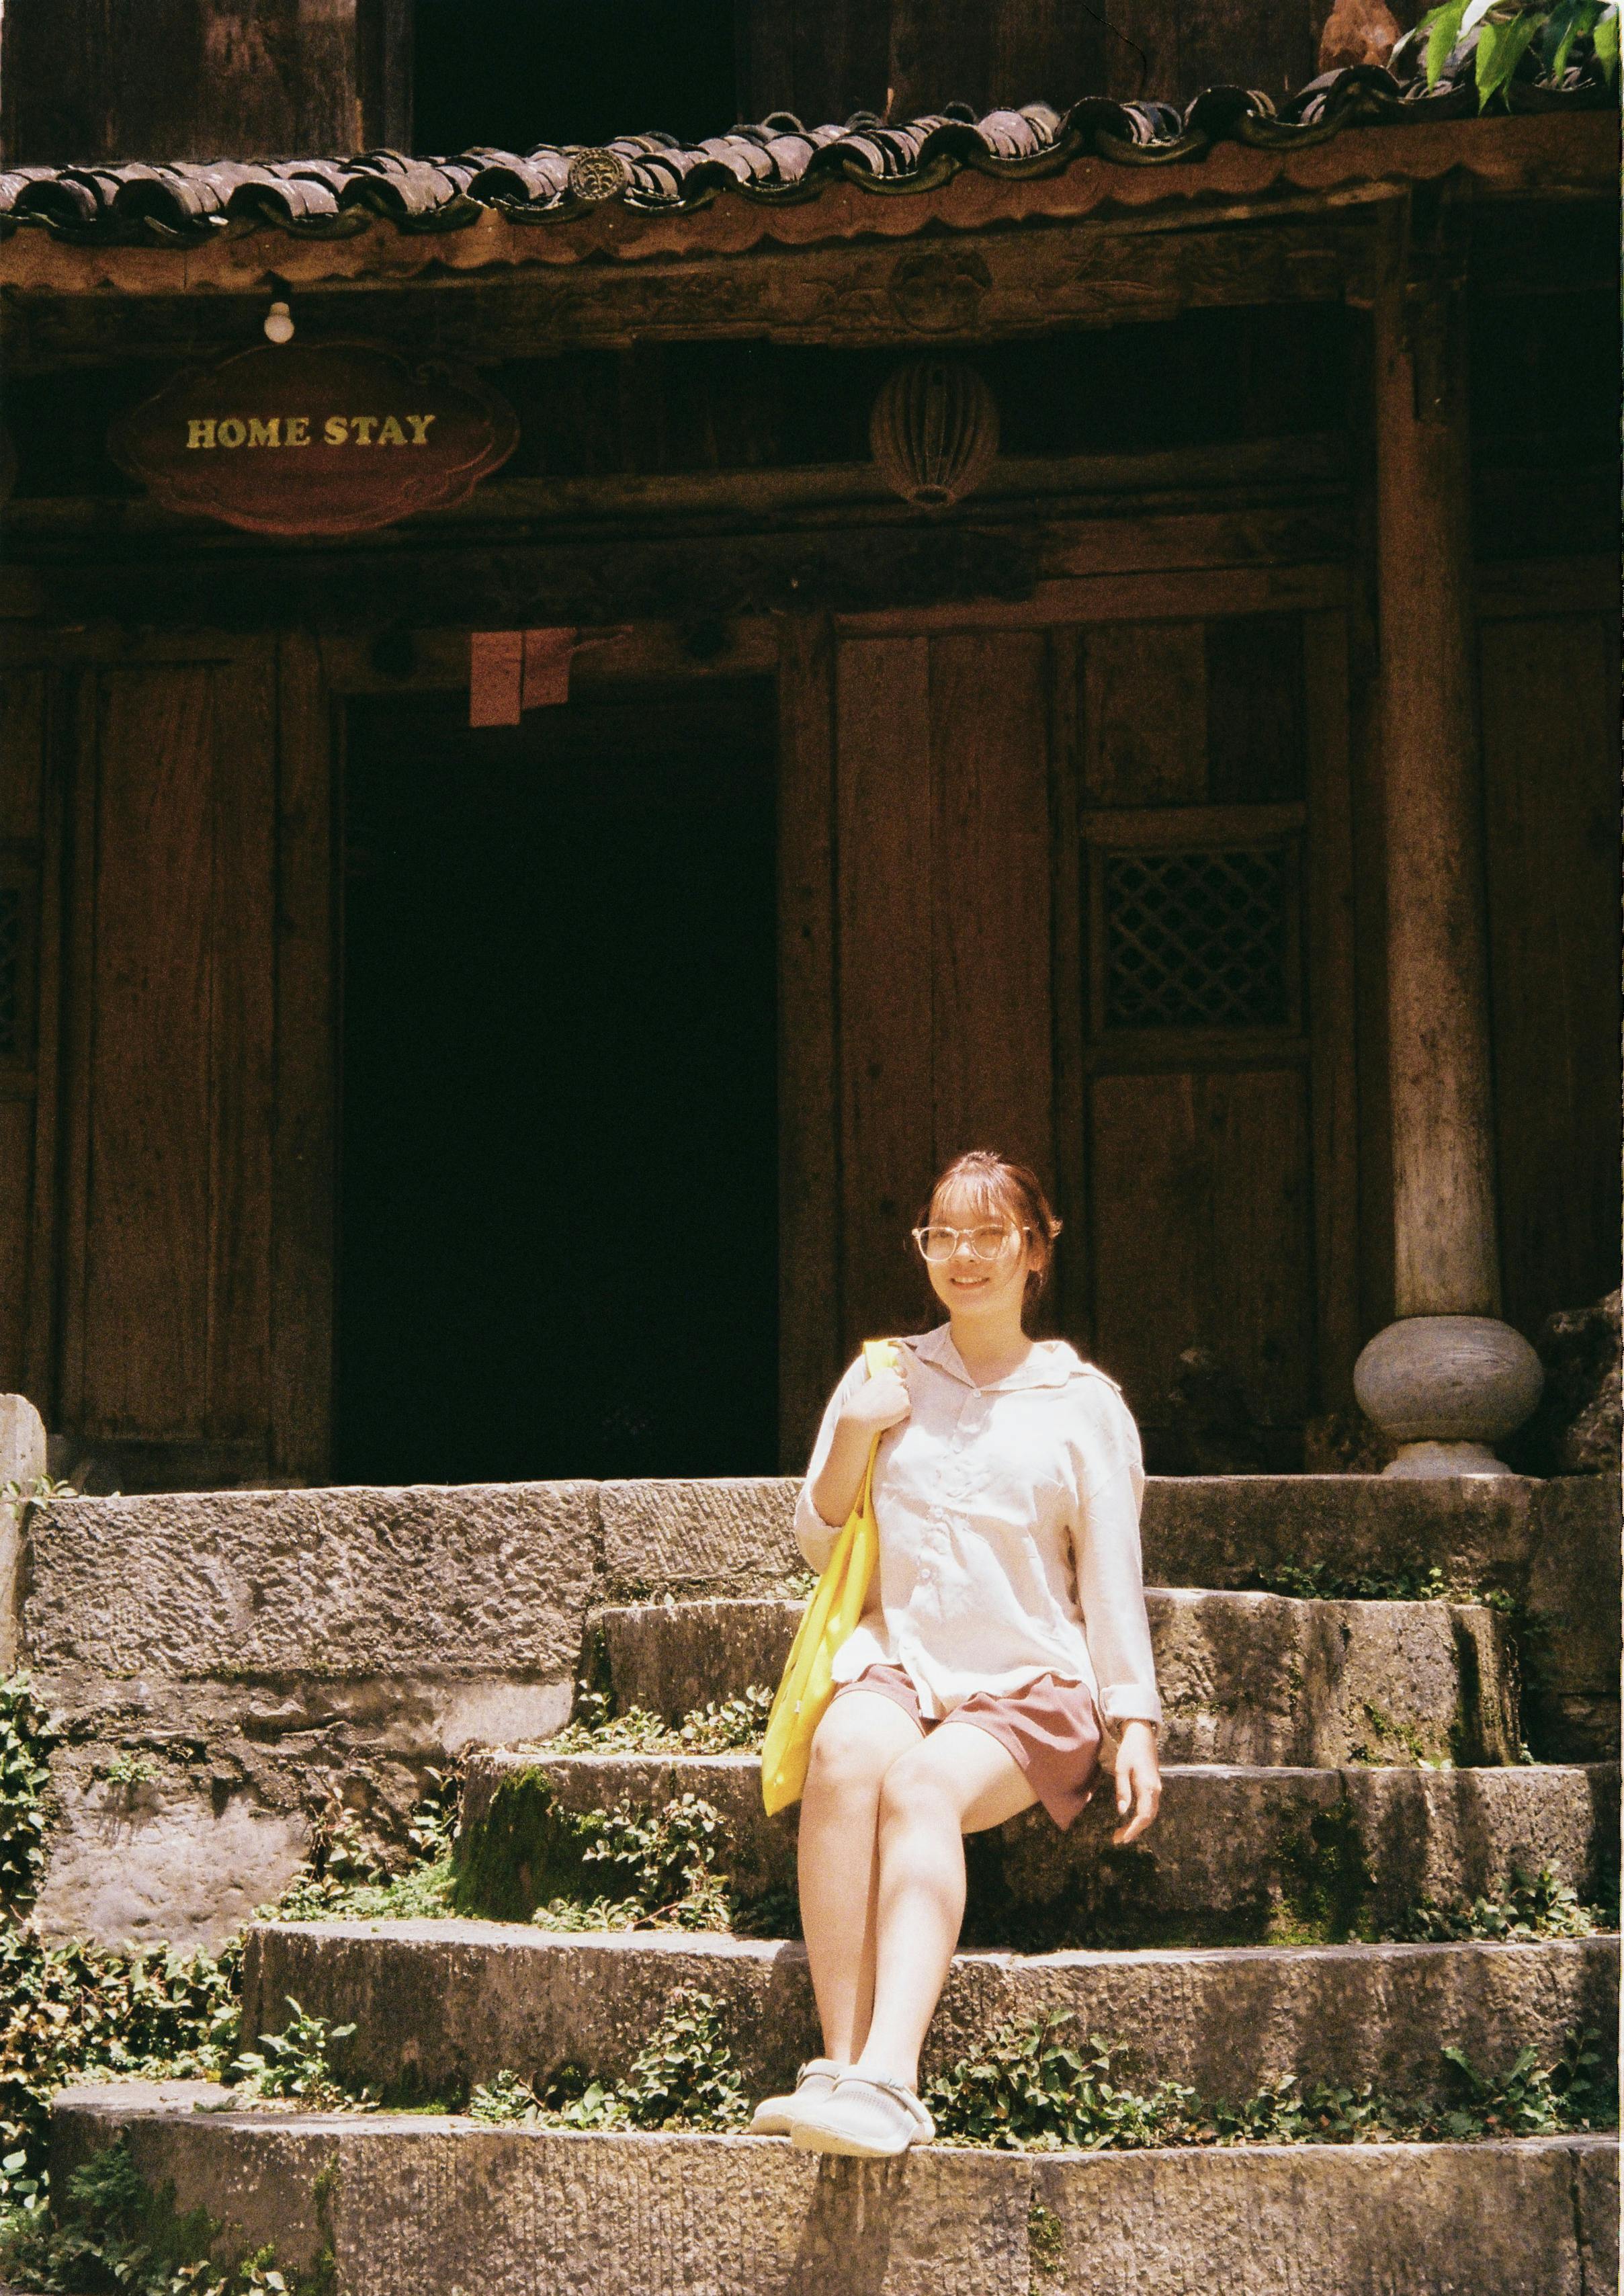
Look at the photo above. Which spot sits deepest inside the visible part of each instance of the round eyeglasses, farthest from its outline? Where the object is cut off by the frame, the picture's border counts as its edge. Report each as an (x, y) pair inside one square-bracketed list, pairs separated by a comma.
[(991, 1242)]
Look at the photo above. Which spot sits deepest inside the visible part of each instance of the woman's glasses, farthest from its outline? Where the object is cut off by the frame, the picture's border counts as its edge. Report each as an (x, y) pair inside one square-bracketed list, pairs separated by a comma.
[(936, 1243)]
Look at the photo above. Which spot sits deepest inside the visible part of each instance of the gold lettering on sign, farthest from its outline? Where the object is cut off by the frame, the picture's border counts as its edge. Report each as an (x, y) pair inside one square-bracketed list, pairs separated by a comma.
[(204, 431)]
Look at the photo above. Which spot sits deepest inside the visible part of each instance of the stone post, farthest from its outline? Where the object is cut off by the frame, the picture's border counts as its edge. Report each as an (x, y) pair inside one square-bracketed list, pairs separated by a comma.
[(1448, 1379), (22, 1461)]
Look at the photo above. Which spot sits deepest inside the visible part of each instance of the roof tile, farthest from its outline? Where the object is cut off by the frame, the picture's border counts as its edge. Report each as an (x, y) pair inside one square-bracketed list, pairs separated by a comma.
[(776, 159)]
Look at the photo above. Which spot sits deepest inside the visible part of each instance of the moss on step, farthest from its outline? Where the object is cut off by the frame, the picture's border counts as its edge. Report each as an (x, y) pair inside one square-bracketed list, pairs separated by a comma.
[(112, 2230), (1045, 2245), (1395, 1744), (672, 1867), (1036, 2084), (683, 2077), (1325, 1880), (524, 1850), (633, 1867)]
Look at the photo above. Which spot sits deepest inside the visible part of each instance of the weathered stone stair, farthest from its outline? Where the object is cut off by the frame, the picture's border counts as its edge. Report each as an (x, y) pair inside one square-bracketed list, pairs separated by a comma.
[(1250, 1678), (1231, 1950), (440, 2005), (1236, 1855)]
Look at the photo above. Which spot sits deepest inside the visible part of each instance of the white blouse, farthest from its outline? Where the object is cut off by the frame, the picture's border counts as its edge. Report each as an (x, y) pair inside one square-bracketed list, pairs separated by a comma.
[(1009, 1533)]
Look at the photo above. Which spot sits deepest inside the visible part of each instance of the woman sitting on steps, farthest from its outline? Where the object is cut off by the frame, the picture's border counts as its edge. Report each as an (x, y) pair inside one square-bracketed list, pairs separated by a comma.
[(1006, 1630)]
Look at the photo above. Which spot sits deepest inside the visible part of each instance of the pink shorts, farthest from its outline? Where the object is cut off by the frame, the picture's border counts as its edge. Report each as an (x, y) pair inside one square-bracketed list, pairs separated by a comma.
[(1050, 1728)]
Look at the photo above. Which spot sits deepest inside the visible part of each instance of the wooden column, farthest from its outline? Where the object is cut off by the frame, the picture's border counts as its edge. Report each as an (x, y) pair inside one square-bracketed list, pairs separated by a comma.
[(1448, 1378)]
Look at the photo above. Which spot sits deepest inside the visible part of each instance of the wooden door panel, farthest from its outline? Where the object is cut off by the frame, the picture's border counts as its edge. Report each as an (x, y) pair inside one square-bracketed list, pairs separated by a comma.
[(884, 898), (1257, 1122), (991, 876), (1198, 1215), (145, 1307), (16, 1204), (1144, 714), (243, 1035), (1149, 1229), (166, 1337)]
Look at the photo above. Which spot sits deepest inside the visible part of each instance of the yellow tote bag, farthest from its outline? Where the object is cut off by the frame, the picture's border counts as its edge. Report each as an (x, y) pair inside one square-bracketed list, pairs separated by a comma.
[(834, 1610)]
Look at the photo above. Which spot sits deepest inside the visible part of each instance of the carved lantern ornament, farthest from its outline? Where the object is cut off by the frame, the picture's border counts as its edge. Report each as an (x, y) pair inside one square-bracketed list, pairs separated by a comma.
[(934, 431)]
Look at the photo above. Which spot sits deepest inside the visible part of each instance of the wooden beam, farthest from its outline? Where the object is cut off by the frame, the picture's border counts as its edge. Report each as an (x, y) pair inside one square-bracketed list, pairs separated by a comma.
[(1015, 572), (969, 288)]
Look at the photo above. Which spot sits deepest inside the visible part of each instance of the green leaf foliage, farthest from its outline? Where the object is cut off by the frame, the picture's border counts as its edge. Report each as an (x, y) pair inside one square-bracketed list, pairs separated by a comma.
[(684, 2077), (1500, 49), (28, 1736), (295, 2066), (1498, 34), (115, 2234), (1032, 2087), (1442, 27)]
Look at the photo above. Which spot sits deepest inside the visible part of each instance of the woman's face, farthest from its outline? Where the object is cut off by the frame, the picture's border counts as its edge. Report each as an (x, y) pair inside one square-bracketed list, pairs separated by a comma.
[(966, 1284)]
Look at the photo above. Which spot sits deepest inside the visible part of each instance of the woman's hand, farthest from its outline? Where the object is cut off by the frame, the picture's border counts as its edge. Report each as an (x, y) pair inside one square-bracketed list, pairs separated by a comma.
[(881, 1402), (1138, 1781)]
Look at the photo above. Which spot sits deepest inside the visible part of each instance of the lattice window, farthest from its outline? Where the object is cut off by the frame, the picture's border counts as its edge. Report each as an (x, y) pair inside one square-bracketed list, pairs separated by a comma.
[(1196, 940), (11, 972)]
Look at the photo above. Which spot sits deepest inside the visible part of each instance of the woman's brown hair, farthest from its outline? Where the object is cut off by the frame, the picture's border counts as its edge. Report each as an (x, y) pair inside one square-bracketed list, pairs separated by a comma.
[(1012, 1191)]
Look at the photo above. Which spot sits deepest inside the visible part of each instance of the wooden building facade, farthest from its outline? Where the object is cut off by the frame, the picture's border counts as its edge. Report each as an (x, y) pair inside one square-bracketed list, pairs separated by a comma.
[(1115, 816)]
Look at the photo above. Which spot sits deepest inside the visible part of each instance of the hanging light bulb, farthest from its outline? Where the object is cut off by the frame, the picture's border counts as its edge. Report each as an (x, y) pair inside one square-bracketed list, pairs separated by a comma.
[(279, 324)]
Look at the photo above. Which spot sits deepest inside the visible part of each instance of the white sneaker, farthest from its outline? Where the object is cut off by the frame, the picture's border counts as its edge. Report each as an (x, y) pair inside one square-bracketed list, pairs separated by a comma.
[(868, 2120), (775, 2116)]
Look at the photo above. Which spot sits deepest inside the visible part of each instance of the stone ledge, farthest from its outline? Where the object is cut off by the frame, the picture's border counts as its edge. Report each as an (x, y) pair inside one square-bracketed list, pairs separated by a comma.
[(261, 1652), (1244, 1677), (440, 2005), (1236, 1855), (424, 2206)]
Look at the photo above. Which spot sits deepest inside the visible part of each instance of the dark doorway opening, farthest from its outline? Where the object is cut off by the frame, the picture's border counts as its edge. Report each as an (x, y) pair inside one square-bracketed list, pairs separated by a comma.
[(558, 1199)]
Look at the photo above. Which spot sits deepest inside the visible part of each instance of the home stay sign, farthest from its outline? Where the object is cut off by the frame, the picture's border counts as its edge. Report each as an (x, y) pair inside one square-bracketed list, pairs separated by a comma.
[(315, 439)]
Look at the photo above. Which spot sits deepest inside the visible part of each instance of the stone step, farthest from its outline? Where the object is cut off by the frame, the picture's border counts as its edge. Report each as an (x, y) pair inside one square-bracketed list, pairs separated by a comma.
[(423, 2205), (255, 1653), (1236, 1857), (1244, 1677), (439, 2005), (733, 1536)]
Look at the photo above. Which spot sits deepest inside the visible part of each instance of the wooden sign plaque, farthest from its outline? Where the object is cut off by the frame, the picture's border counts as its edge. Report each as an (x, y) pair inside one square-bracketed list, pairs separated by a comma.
[(315, 439)]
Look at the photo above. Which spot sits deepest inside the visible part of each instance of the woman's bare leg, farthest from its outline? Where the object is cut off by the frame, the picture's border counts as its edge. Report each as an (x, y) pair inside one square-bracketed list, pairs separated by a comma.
[(858, 1741), (960, 1780)]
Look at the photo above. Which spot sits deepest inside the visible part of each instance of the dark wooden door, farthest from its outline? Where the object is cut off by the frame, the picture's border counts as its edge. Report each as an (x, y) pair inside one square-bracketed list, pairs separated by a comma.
[(1084, 895), (1207, 866)]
